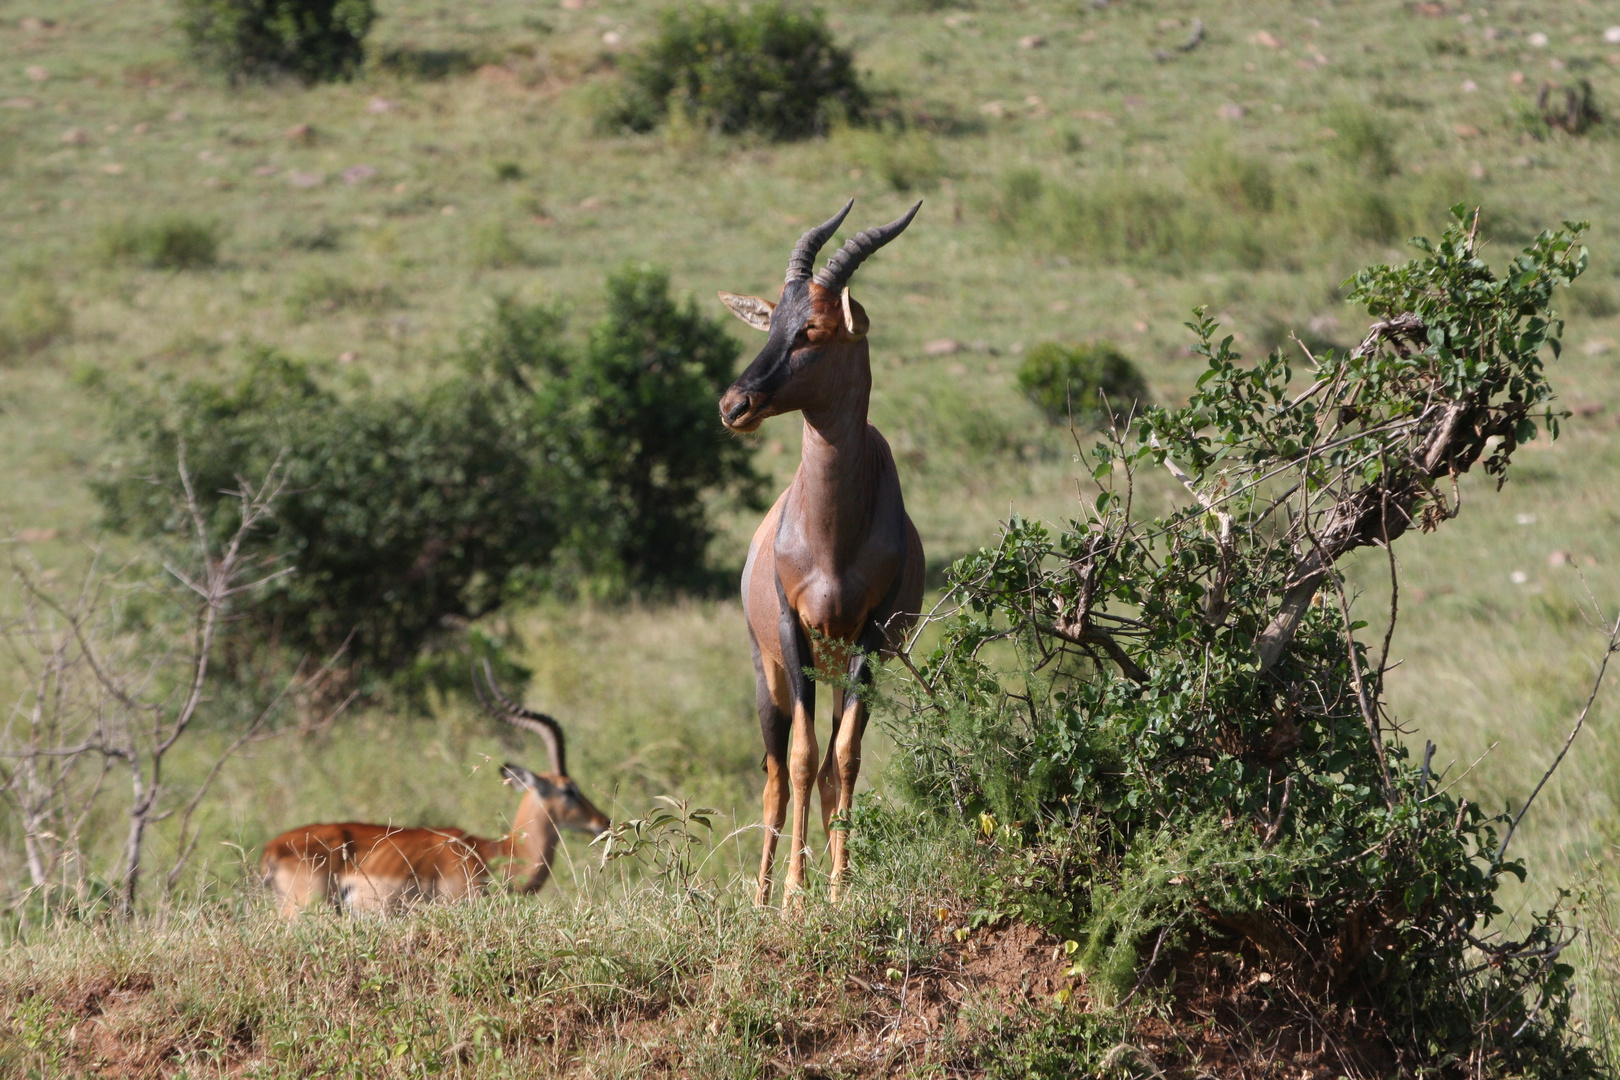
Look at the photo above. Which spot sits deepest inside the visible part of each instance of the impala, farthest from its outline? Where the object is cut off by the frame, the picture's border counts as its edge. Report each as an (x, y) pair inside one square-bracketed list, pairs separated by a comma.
[(834, 575), (380, 868)]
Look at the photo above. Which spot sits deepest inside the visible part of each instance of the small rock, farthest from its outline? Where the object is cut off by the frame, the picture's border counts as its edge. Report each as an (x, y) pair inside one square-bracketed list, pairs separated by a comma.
[(1058, 307), (379, 105), (1557, 557), (300, 133), (19, 103), (305, 179), (612, 37), (1032, 41), (1537, 40), (1597, 347), (1469, 86), (265, 170), (348, 357), (210, 157), (356, 174), (448, 211), (1139, 326), (1522, 161), (33, 24), (1232, 112), (1526, 519), (36, 536), (1263, 38), (1490, 33), (112, 168), (594, 202), (1016, 347), (993, 109), (37, 73), (961, 18), (1517, 78), (179, 116), (1476, 170), (1466, 131), (141, 128), (75, 136), (957, 369), (1518, 577), (942, 347), (572, 5)]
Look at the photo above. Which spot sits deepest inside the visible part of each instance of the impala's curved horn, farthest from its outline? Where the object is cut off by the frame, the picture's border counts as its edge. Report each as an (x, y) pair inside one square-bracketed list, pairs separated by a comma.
[(811, 243), (538, 723), (842, 266)]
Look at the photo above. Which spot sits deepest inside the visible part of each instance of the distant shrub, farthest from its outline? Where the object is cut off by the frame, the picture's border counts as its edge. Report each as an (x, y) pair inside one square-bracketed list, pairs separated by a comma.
[(406, 515), (312, 40), (1067, 380), (169, 243), (493, 247), (32, 315), (638, 407), (772, 69)]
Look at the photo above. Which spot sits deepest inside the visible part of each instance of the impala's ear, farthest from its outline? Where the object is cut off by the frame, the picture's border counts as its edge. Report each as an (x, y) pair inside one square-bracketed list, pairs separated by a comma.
[(522, 777), (753, 310), (855, 320)]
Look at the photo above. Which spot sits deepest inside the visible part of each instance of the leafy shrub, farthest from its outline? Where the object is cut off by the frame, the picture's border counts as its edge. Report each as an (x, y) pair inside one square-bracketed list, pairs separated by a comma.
[(404, 516), (493, 247), (312, 40), (638, 408), (905, 160), (32, 315), (771, 69), (175, 242), (1184, 740), (1073, 381)]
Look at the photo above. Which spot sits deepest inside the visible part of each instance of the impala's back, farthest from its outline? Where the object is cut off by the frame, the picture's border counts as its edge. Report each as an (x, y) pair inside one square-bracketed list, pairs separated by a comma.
[(373, 868)]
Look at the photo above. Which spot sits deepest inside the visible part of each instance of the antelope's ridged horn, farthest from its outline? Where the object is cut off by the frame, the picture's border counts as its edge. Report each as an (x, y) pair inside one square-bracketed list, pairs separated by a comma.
[(842, 266), (537, 723), (811, 243)]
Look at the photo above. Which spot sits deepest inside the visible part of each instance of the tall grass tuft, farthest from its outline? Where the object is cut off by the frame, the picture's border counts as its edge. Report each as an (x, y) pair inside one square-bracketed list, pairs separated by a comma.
[(32, 315), (174, 242)]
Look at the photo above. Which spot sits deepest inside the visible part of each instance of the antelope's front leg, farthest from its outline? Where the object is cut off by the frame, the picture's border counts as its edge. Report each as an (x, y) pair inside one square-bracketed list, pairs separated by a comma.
[(846, 749), (802, 758), (771, 694)]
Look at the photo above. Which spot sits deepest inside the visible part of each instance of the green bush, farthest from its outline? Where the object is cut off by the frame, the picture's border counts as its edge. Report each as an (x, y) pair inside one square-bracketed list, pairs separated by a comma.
[(638, 409), (1171, 735), (312, 40), (174, 242), (404, 516), (1073, 381), (772, 69)]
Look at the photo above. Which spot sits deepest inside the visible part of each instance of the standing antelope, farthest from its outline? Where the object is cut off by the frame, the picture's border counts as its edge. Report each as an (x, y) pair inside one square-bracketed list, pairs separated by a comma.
[(379, 868), (835, 571)]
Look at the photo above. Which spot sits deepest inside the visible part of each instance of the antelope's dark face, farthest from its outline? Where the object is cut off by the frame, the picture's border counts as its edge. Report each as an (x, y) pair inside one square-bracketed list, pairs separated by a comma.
[(817, 339), (814, 338)]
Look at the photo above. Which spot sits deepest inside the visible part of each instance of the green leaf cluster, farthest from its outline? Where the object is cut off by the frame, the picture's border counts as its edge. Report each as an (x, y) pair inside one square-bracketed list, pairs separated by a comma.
[(773, 69), (537, 463), (310, 40), (1171, 730)]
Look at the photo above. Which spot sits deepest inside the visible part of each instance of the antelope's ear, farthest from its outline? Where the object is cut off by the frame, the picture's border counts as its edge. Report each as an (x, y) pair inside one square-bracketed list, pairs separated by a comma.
[(753, 310), (522, 777), (855, 320)]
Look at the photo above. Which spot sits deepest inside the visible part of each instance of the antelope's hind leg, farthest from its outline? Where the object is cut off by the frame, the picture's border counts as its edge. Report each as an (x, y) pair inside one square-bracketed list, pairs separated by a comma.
[(846, 748), (770, 695)]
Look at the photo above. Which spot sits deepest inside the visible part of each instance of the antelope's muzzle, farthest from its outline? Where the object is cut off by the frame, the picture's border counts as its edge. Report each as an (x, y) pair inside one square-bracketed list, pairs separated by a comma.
[(742, 410)]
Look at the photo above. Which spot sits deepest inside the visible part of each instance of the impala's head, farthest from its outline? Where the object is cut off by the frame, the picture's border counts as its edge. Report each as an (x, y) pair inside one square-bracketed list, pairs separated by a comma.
[(560, 798), (814, 324)]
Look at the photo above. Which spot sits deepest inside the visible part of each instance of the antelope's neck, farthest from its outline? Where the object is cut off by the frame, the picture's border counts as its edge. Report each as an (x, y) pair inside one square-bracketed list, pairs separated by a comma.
[(836, 483)]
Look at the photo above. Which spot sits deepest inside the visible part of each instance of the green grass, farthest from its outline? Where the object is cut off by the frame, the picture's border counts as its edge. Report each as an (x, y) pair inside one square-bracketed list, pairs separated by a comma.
[(489, 178)]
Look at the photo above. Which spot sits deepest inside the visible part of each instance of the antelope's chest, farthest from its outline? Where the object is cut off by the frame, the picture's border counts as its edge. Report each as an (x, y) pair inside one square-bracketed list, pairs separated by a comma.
[(835, 602)]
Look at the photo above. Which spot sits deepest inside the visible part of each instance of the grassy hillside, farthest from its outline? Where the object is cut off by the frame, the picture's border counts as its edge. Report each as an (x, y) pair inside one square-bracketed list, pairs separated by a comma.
[(365, 226)]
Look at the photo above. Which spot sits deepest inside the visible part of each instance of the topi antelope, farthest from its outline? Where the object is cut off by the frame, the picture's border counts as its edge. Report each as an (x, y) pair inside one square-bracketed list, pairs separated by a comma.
[(835, 572), (381, 869)]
